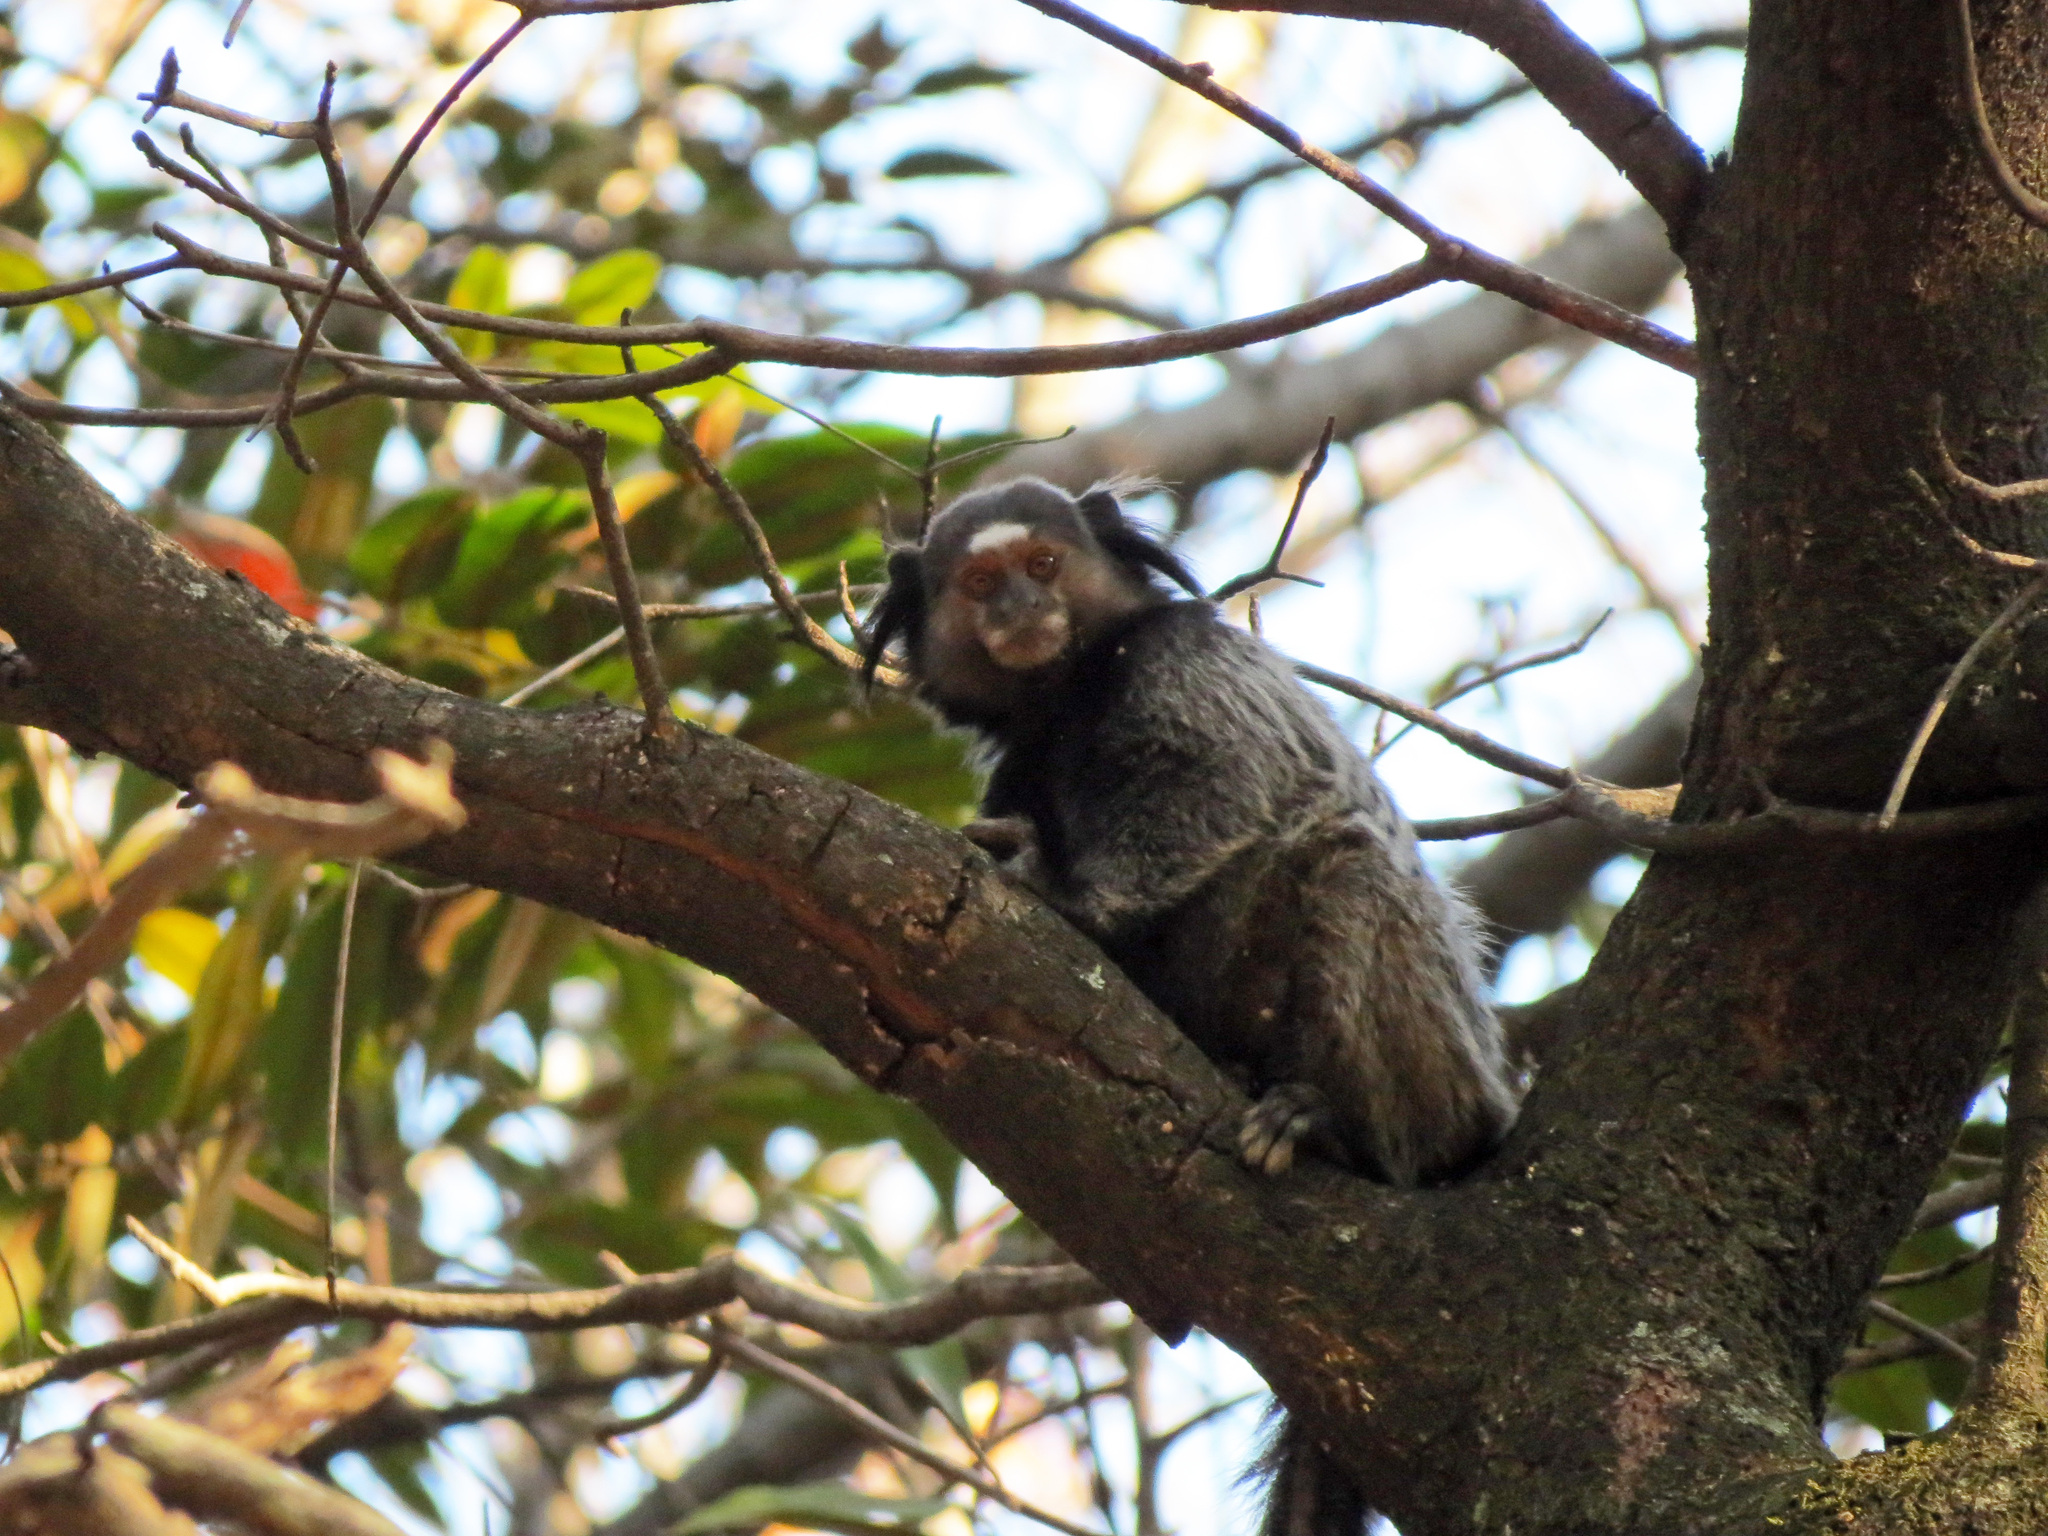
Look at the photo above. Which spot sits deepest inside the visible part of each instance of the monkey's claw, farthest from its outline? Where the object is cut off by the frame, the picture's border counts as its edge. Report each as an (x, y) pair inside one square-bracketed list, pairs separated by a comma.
[(1287, 1115)]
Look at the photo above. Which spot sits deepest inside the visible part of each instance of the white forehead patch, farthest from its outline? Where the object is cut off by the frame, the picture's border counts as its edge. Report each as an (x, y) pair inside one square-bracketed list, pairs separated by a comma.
[(997, 533)]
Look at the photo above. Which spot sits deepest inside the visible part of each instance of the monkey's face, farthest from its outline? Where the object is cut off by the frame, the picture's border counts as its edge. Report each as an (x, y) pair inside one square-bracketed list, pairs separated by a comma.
[(1008, 594)]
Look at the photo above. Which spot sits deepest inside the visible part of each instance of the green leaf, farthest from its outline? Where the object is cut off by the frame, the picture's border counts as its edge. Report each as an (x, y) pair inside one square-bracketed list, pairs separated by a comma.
[(625, 419), (812, 491), (57, 1085), (964, 77), (484, 285), (830, 1506), (943, 162), (410, 549), (506, 553), (140, 1097), (621, 281)]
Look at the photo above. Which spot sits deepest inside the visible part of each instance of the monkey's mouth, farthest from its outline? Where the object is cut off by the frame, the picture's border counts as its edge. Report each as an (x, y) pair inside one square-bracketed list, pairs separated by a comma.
[(1026, 647)]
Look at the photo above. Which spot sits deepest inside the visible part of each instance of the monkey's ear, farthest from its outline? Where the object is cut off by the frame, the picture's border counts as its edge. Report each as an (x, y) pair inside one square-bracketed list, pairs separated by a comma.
[(900, 612), (1124, 540)]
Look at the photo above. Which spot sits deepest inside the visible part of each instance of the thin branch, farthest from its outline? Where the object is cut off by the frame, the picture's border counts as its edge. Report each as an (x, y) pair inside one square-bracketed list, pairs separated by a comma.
[(562, 669), (1467, 740), (1271, 571), (1465, 261), (1620, 121), (1410, 129), (857, 1412), (1451, 829), (276, 1303), (661, 717), (165, 93), (1926, 1333), (2023, 202), (1952, 1202), (696, 1386), (2022, 602), (1906, 1346), (809, 632), (1493, 674), (336, 1029), (21, 298), (740, 343), (220, 193), (1934, 1273), (415, 802)]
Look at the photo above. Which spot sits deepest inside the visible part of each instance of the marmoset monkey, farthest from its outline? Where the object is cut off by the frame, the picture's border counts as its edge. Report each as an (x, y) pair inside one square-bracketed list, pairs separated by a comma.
[(1165, 783)]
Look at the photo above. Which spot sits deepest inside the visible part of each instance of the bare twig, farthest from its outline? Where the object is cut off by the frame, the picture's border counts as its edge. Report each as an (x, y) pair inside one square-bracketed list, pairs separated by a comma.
[(276, 1303), (1926, 1333), (165, 93), (809, 632), (1452, 829), (731, 343), (336, 1029), (857, 1412), (1934, 1273), (1952, 1202), (1464, 261), (2023, 202), (1409, 130), (1271, 571), (2022, 602), (661, 718), (416, 801), (1624, 124), (1467, 740), (696, 1386), (21, 298), (1907, 1346), (1493, 674)]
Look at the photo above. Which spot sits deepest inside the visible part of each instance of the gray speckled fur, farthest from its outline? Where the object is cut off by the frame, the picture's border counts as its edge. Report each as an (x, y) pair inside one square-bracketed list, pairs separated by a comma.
[(1202, 817)]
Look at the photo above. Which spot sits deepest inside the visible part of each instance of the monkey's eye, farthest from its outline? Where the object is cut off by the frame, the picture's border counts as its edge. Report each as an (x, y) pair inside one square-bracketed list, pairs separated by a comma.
[(978, 583), (1043, 566)]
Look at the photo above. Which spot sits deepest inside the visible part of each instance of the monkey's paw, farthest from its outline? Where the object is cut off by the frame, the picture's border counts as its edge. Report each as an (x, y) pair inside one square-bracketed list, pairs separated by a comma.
[(1001, 837), (1288, 1115)]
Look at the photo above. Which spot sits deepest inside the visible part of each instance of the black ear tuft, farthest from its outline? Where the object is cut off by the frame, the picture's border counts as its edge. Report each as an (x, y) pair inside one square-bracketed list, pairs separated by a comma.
[(1125, 541), (899, 612)]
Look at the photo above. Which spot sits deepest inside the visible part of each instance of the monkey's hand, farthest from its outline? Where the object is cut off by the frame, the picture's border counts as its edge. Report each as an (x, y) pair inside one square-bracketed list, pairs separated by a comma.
[(1289, 1115), (1013, 842), (1002, 838)]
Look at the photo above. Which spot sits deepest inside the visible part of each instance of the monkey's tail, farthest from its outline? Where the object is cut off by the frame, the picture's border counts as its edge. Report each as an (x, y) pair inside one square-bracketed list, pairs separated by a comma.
[(1307, 1494)]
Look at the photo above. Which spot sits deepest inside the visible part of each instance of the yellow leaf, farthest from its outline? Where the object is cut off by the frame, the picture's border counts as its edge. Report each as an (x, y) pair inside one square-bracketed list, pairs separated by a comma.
[(176, 944), (718, 421), (437, 949), (637, 491), (88, 1213), (228, 1002), (482, 285), (21, 1272)]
